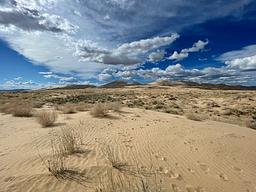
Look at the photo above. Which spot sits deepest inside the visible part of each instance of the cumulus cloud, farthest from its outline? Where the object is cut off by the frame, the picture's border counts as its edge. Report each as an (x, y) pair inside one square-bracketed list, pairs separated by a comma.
[(178, 72), (18, 83), (104, 77), (246, 63), (198, 46), (244, 59), (178, 56), (156, 56)]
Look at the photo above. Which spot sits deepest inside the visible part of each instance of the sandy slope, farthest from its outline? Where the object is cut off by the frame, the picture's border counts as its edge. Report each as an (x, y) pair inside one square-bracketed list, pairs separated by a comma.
[(189, 156)]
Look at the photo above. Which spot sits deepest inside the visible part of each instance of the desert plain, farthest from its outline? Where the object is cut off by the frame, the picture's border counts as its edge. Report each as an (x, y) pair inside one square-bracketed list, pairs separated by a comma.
[(134, 138)]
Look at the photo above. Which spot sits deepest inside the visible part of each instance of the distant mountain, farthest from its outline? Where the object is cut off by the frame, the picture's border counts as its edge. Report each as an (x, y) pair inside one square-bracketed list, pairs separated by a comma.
[(115, 84), (119, 84), (202, 85), (218, 86), (74, 87), (14, 90), (166, 83)]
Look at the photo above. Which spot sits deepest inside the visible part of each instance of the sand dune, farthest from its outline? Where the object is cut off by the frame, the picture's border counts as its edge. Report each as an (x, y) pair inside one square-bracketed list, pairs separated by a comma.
[(187, 155)]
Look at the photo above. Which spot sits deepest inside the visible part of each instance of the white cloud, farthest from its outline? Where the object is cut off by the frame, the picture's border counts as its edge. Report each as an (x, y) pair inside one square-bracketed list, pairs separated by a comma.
[(126, 54), (156, 56), (246, 63), (198, 46), (104, 77), (243, 59), (18, 78), (145, 45), (62, 79), (178, 72), (247, 51), (178, 56), (18, 84), (107, 17), (31, 19), (45, 73)]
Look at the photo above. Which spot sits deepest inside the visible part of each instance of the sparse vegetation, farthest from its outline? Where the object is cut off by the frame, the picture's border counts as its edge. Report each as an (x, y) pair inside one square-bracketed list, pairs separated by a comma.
[(22, 110), (195, 117), (115, 106), (99, 110), (55, 162), (116, 182), (251, 123), (69, 140), (83, 107), (67, 108), (113, 158), (46, 118)]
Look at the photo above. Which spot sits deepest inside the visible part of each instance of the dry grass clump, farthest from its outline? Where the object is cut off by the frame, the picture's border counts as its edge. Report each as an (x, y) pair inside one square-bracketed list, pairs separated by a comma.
[(195, 117), (47, 118), (114, 159), (83, 107), (17, 109), (6, 108), (22, 110), (69, 139), (68, 108), (99, 110), (115, 106), (130, 183), (55, 162)]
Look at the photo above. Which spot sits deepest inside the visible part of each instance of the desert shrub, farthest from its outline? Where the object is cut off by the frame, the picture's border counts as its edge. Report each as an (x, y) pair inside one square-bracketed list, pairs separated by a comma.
[(115, 106), (38, 104), (83, 107), (21, 110), (47, 118), (68, 108), (251, 123), (99, 110), (195, 117), (6, 108), (171, 111)]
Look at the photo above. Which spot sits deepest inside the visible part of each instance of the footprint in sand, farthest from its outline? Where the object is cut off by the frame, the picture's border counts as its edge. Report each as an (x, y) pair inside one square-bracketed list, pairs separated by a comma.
[(237, 169), (171, 174), (175, 176), (203, 167), (223, 177), (191, 170)]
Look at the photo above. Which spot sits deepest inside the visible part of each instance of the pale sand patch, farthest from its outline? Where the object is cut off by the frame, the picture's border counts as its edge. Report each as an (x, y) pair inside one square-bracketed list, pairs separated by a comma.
[(189, 155)]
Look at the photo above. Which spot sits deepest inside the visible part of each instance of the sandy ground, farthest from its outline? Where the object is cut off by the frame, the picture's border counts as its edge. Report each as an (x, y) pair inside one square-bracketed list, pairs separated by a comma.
[(188, 156)]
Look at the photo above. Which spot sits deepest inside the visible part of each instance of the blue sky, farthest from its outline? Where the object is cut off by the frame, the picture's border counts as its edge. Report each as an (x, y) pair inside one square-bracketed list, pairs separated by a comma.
[(58, 42)]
